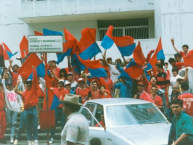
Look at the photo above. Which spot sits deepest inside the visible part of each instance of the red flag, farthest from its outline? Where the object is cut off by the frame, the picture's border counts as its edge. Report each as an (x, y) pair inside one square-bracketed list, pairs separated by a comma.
[(138, 55), (6, 57), (68, 35), (24, 47), (2, 63), (91, 30), (32, 60), (38, 33)]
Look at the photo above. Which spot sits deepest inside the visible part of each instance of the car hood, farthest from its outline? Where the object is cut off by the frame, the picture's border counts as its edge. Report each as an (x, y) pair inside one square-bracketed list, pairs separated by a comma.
[(147, 134)]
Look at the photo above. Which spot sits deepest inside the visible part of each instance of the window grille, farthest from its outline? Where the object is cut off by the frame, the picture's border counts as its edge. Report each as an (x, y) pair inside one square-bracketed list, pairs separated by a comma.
[(136, 28)]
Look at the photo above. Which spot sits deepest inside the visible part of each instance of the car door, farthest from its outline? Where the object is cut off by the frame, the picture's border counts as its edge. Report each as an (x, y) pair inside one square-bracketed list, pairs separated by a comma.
[(90, 111)]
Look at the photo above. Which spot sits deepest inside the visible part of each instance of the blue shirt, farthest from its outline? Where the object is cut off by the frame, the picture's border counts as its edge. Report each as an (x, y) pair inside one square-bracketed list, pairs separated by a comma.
[(125, 89), (184, 126)]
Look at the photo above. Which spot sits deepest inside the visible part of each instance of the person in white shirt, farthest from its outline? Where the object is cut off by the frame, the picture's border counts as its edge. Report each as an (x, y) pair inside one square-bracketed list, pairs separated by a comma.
[(76, 129), (173, 79), (14, 105)]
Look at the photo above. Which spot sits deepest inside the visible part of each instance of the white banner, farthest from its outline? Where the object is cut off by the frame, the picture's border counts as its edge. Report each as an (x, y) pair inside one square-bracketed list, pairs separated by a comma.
[(45, 44)]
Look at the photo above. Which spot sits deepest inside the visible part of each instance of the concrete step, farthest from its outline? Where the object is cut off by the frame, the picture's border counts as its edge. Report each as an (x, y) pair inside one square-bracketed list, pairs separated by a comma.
[(40, 142)]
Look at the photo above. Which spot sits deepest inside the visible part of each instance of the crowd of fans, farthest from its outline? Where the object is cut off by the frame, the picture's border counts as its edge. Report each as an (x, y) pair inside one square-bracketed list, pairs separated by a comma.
[(152, 86)]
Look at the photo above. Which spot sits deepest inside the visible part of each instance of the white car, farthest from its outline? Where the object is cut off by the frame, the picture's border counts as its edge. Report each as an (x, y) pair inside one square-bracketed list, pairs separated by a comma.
[(127, 122)]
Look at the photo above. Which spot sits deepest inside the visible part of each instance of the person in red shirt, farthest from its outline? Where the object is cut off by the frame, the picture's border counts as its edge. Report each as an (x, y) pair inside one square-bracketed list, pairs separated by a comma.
[(82, 90), (107, 82), (2, 116), (186, 55), (63, 75), (102, 122), (30, 100), (149, 84), (55, 71), (156, 99), (60, 92), (173, 63), (50, 80), (94, 91), (141, 93), (187, 99), (104, 93), (14, 74)]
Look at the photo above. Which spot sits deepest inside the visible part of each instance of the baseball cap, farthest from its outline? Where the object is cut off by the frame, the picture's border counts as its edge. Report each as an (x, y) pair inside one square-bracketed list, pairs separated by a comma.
[(80, 80), (67, 83), (28, 81), (8, 83), (70, 73)]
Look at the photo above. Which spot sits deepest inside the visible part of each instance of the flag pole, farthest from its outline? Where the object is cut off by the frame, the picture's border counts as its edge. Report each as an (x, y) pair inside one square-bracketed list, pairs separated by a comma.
[(46, 75)]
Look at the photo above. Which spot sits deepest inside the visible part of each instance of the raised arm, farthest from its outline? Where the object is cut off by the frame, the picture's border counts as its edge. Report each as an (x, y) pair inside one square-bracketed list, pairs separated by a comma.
[(35, 80), (124, 60), (120, 68), (16, 88), (172, 40), (104, 58), (69, 64), (186, 75), (10, 65), (3, 82)]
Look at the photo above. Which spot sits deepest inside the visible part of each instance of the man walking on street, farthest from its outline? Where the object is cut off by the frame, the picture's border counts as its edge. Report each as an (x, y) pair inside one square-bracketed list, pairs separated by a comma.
[(76, 131)]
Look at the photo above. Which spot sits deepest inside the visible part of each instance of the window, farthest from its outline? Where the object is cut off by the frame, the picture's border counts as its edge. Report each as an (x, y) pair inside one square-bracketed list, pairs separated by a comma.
[(136, 28), (124, 115)]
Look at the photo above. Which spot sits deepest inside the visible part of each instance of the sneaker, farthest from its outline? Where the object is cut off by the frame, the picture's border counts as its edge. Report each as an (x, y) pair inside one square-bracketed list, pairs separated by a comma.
[(51, 140), (3, 141), (11, 140), (29, 142), (35, 142), (15, 142), (38, 126)]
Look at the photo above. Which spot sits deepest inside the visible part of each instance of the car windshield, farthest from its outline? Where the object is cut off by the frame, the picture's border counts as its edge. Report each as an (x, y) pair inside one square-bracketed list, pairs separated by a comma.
[(123, 115)]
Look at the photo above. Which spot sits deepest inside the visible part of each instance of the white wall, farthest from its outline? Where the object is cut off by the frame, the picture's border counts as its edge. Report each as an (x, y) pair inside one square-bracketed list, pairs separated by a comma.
[(71, 7), (173, 19)]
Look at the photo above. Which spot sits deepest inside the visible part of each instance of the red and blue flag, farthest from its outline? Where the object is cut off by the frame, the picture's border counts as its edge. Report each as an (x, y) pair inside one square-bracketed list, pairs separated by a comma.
[(75, 62), (158, 54), (51, 32), (107, 41), (67, 49), (53, 101), (88, 46), (7, 52), (134, 70), (32, 60), (125, 44), (94, 67)]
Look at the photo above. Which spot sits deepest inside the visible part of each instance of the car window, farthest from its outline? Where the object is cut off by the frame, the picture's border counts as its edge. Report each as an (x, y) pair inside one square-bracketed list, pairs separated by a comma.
[(99, 112), (91, 107), (123, 115), (89, 116)]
